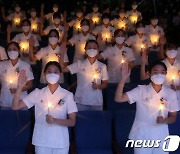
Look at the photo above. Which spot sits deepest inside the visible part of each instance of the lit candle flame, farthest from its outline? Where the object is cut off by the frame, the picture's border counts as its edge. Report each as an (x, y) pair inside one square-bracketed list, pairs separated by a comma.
[(24, 46), (134, 19), (49, 107), (17, 21), (34, 27), (154, 39), (122, 61), (95, 20)]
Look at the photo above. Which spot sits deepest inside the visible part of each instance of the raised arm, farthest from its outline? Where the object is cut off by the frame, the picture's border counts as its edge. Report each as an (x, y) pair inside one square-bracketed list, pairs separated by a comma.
[(32, 57), (162, 42), (143, 74), (119, 95), (17, 103)]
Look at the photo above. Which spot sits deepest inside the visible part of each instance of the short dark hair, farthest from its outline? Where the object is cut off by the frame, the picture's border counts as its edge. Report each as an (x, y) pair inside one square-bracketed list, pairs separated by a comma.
[(56, 15), (116, 32), (85, 20), (53, 30), (91, 41), (14, 43), (157, 63), (26, 20), (105, 15), (54, 63)]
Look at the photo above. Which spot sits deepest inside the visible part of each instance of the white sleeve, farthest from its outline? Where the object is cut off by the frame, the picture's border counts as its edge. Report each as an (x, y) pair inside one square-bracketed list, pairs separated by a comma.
[(29, 73), (66, 60), (129, 41), (71, 104), (3, 54), (73, 40), (173, 102), (74, 68), (16, 39), (133, 95), (104, 73), (31, 99), (39, 55), (131, 55), (106, 53), (46, 31)]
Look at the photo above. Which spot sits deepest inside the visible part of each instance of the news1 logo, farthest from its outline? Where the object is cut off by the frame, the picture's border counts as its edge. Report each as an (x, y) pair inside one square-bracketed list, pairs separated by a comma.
[(170, 144)]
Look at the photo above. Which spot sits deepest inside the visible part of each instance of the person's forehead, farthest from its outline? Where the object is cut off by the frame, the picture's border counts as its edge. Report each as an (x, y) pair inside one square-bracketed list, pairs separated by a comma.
[(158, 67)]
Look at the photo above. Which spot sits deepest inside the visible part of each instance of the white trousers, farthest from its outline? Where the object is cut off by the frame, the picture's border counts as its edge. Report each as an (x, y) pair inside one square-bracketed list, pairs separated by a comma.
[(44, 150)]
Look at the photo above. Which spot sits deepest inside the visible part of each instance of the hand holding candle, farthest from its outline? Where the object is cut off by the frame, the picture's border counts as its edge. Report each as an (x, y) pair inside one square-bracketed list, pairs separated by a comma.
[(49, 108), (17, 21)]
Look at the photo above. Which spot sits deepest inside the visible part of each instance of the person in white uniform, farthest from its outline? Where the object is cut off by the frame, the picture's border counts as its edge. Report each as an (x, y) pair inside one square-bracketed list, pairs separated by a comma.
[(92, 78), (121, 22), (116, 56), (16, 17), (9, 72), (156, 107), (79, 40), (3, 55), (75, 23), (94, 16), (35, 22), (52, 52), (49, 16), (23, 40), (139, 42), (55, 111), (104, 32), (56, 25), (133, 16)]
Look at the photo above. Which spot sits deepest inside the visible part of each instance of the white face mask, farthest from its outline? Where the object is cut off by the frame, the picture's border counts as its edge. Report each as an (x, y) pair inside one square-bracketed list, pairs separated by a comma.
[(134, 7), (79, 15), (53, 40), (158, 79), (55, 9), (95, 9), (171, 53), (26, 28), (122, 15), (154, 22), (119, 40), (141, 30), (106, 21), (13, 54), (52, 78), (33, 14), (57, 21), (92, 52), (85, 28), (17, 8)]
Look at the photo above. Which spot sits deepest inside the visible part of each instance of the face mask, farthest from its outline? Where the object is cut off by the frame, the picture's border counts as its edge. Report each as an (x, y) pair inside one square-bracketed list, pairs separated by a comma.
[(57, 21), (85, 28), (171, 53), (92, 53), (122, 15), (26, 28), (105, 21), (79, 15), (154, 22), (158, 79), (134, 7), (52, 78), (17, 9), (140, 30), (119, 40), (53, 40), (33, 14), (95, 9), (55, 9), (13, 54)]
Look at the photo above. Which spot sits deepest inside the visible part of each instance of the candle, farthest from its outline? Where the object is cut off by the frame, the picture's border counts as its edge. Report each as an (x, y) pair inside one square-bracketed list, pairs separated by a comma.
[(11, 84), (154, 39), (134, 19), (95, 77), (53, 57), (173, 80), (95, 20), (78, 27), (17, 21), (34, 27), (49, 108), (24, 46), (161, 109)]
